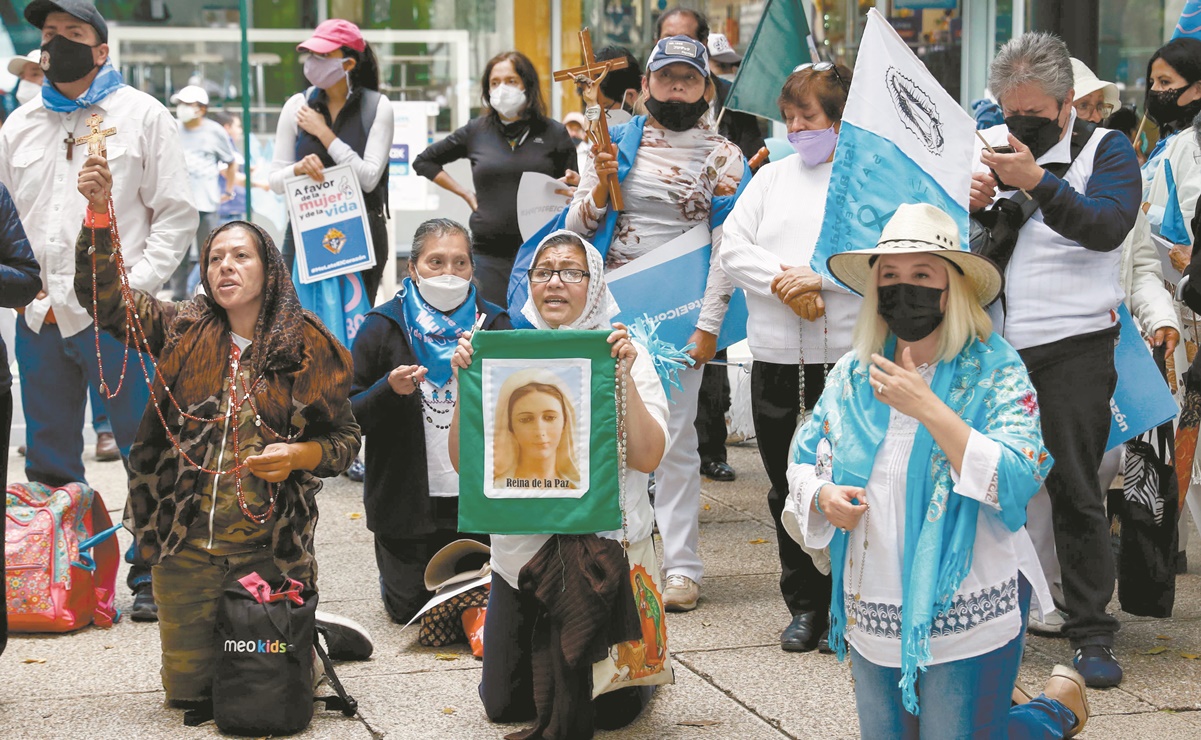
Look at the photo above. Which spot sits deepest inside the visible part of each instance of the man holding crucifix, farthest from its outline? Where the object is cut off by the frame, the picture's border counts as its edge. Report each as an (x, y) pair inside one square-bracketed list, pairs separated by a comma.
[(43, 146)]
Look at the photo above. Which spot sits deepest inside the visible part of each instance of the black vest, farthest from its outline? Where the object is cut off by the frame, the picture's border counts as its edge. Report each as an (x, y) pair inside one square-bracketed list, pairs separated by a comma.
[(353, 127)]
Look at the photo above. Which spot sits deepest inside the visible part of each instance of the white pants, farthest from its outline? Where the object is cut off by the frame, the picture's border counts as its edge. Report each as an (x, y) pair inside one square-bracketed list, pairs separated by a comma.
[(1042, 533), (678, 482)]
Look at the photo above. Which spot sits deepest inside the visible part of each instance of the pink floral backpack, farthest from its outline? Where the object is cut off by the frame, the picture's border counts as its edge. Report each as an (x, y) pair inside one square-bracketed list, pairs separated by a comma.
[(60, 558)]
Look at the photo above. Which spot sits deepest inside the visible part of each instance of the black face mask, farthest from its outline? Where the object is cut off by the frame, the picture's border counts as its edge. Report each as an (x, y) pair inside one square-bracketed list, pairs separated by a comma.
[(911, 311), (68, 60), (677, 115), (1163, 106), (1036, 132)]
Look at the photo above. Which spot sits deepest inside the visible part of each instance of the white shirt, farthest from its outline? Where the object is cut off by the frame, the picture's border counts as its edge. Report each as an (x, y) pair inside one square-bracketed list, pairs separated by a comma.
[(368, 168), (776, 221), (511, 552), (437, 408), (1055, 288), (984, 614), (151, 194)]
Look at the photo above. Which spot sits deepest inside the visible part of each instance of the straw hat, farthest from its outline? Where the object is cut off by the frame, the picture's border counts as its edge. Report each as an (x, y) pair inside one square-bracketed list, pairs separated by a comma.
[(915, 228), (458, 562), (1086, 82)]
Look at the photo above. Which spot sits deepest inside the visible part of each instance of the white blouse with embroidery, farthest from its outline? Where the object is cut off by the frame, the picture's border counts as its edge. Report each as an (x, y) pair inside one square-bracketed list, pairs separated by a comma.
[(984, 614)]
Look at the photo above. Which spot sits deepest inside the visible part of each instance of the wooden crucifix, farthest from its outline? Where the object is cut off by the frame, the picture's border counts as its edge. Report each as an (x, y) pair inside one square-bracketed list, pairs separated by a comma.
[(589, 77), (94, 140)]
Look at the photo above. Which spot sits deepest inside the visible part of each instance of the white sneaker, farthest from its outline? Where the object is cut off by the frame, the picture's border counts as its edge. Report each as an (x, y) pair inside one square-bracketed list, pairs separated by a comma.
[(681, 594), (1051, 625), (344, 638)]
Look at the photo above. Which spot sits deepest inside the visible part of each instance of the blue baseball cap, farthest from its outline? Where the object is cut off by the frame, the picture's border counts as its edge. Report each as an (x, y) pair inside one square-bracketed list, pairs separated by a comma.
[(679, 49), (37, 11)]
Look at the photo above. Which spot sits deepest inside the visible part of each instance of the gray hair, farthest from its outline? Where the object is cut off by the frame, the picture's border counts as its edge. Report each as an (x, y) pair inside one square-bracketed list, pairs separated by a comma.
[(1032, 58), (436, 228)]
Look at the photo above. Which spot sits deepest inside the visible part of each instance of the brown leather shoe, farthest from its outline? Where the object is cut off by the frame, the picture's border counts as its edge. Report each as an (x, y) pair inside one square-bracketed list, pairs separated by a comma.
[(1021, 695), (106, 447), (1067, 687)]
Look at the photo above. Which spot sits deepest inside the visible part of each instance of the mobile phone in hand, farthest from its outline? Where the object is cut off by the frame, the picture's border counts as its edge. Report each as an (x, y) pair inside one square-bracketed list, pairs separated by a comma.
[(1002, 150)]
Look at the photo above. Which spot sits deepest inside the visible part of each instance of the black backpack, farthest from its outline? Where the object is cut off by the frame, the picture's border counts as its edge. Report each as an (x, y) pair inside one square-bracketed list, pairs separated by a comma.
[(994, 231), (263, 683)]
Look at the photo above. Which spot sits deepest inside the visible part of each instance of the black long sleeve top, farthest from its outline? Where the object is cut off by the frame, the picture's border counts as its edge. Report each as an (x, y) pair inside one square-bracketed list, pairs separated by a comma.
[(496, 170), (20, 275)]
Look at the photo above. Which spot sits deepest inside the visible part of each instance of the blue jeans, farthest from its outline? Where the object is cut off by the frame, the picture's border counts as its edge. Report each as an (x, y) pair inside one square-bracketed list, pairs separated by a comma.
[(967, 698), (56, 373), (100, 422)]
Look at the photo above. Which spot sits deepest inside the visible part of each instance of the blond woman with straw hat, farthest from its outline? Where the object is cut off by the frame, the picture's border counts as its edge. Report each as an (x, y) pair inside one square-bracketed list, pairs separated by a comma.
[(915, 470)]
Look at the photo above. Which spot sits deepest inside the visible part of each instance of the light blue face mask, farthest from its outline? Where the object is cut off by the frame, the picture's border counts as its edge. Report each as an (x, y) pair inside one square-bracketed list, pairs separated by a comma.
[(815, 147)]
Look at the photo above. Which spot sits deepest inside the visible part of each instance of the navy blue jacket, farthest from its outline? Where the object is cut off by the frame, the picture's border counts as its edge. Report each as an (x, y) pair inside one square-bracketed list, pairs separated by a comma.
[(396, 488), (20, 275)]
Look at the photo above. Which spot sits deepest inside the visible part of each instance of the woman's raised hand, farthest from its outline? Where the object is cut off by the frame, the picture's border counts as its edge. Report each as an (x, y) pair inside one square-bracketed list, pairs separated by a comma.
[(902, 386), (274, 464), (462, 355), (406, 379), (605, 164), (623, 347), (836, 503), (312, 166), (96, 183)]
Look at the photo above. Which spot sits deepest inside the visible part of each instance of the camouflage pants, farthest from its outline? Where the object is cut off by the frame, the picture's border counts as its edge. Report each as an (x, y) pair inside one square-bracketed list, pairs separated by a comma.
[(187, 587)]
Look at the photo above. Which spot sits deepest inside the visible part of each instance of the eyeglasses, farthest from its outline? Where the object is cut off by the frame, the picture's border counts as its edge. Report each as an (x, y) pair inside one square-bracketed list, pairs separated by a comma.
[(544, 274), (1087, 109), (823, 67)]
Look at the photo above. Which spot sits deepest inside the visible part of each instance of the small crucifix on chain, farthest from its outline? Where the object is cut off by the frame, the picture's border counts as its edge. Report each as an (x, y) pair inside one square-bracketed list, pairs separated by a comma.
[(94, 140), (588, 77)]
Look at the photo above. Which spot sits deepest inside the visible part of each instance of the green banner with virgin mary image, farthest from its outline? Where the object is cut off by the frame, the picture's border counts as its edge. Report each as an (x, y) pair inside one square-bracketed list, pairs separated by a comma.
[(538, 434)]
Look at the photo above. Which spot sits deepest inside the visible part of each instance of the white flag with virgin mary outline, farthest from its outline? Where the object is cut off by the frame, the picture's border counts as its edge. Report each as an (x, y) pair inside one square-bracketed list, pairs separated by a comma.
[(903, 139)]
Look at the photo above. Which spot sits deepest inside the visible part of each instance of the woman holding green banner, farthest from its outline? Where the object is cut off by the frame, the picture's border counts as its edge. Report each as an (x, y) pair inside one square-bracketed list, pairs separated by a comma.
[(568, 291)]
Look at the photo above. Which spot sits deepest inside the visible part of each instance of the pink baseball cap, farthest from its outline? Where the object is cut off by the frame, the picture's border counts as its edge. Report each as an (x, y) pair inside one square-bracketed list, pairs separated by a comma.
[(334, 34)]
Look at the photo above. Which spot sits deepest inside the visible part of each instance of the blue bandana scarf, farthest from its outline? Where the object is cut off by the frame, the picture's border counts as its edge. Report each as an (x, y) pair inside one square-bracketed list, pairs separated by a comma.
[(987, 386), (106, 81), (433, 335)]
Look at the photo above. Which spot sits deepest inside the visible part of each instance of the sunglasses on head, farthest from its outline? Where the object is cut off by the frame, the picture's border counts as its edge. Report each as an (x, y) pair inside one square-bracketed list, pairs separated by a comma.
[(822, 67)]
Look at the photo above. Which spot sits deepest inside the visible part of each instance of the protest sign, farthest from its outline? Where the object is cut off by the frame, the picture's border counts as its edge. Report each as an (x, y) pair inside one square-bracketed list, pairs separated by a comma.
[(668, 284), (537, 434), (329, 223), (537, 202), (1142, 399), (408, 191)]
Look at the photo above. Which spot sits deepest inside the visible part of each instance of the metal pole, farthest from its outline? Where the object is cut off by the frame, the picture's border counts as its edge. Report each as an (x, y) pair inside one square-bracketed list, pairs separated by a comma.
[(244, 22)]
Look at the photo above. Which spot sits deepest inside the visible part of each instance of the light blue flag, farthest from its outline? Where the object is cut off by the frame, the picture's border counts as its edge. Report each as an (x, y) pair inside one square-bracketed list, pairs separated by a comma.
[(903, 139), (1173, 228), (668, 284), (1189, 25), (1141, 400)]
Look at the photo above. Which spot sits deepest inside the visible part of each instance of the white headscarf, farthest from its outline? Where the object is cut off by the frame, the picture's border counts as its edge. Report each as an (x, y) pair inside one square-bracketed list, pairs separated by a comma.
[(600, 308)]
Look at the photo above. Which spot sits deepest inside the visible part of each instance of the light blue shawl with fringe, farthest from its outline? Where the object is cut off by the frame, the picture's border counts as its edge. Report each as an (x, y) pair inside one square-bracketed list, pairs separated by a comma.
[(987, 386)]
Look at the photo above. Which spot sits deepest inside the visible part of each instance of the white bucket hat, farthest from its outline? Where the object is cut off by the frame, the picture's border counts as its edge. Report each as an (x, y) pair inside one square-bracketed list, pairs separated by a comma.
[(915, 228), (1086, 82), (16, 64), (459, 562)]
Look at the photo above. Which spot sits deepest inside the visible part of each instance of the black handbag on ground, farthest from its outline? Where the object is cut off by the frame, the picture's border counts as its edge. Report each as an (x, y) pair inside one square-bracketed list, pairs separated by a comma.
[(1149, 515), (263, 683)]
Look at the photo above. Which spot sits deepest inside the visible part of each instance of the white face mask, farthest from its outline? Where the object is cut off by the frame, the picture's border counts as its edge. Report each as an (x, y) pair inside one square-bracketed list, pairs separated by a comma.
[(507, 100), (27, 91), (186, 112), (444, 292)]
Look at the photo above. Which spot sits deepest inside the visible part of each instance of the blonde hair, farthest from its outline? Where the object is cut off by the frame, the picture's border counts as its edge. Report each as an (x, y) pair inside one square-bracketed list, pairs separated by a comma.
[(965, 319), (506, 451)]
